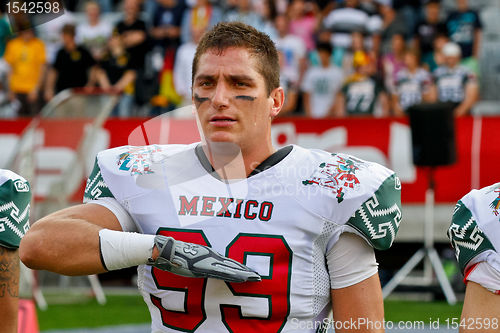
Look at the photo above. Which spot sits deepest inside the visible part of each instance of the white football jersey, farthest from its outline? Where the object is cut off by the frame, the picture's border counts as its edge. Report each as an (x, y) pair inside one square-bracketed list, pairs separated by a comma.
[(475, 228), (280, 222)]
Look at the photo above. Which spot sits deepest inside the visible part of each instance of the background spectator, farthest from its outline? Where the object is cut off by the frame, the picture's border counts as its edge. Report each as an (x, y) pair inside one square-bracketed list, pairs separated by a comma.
[(435, 58), (393, 61), (464, 28), (166, 30), (244, 12), (116, 74), (413, 85), (134, 37), (183, 65), (393, 23), (268, 12), (345, 56), (26, 56), (72, 66), (293, 51), (361, 94), (291, 90), (153, 30), (349, 18), (456, 83), (202, 16), (50, 33), (428, 28), (132, 31), (304, 21), (321, 84), (94, 33), (5, 31)]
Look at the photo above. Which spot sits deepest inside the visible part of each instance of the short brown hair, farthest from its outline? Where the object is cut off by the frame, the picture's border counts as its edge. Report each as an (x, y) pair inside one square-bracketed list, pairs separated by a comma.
[(236, 34), (69, 29)]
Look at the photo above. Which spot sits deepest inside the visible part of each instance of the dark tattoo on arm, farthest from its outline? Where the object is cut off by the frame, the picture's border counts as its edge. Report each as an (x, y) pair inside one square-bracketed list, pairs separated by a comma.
[(9, 272), (246, 98)]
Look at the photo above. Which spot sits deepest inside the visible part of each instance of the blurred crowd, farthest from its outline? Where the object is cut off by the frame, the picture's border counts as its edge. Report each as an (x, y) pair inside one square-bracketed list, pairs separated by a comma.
[(338, 58)]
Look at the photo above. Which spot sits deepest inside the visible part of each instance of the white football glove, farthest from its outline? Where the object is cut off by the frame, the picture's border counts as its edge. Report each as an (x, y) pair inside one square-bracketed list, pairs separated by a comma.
[(193, 260)]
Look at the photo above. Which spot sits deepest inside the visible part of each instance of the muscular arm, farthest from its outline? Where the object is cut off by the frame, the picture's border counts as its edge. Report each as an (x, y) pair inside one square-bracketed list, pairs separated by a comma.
[(481, 304), (67, 241), (9, 289), (360, 301)]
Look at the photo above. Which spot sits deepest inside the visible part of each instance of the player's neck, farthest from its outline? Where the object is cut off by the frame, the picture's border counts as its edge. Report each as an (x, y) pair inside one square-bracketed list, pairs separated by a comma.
[(232, 162)]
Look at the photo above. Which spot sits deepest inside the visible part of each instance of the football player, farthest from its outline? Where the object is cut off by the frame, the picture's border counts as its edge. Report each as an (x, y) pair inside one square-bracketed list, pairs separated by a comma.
[(475, 235), (15, 199), (305, 220)]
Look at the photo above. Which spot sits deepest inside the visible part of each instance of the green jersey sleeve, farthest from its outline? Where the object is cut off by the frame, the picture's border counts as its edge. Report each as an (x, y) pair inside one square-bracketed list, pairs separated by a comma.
[(379, 217), (96, 187), (466, 237), (15, 197)]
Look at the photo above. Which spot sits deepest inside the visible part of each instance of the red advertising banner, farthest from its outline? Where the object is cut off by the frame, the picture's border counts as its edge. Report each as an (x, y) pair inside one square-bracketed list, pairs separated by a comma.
[(386, 141)]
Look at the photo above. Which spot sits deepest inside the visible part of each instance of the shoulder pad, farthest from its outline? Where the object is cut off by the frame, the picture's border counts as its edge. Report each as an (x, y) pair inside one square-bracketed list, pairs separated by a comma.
[(116, 170), (96, 187), (475, 217), (15, 197), (379, 217)]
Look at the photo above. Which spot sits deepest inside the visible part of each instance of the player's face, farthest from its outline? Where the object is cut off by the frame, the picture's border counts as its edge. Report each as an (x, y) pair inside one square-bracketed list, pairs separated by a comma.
[(231, 99)]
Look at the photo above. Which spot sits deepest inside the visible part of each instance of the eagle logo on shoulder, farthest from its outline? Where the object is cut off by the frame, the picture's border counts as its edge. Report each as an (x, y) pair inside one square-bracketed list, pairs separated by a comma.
[(339, 176), (137, 160)]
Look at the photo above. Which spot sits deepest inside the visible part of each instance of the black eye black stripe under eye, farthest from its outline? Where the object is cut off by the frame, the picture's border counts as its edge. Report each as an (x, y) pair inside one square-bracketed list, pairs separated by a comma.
[(199, 99), (246, 98)]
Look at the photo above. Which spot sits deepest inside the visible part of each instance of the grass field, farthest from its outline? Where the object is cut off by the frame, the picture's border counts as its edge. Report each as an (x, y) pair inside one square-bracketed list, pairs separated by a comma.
[(86, 312), (131, 309)]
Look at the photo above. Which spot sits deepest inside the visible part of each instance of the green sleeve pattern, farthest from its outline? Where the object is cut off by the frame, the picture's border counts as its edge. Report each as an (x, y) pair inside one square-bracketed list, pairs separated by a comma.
[(15, 197), (466, 237), (96, 187), (379, 217)]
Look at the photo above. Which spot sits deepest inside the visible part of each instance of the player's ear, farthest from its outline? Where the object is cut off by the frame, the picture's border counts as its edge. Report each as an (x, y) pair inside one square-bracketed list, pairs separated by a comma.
[(278, 99)]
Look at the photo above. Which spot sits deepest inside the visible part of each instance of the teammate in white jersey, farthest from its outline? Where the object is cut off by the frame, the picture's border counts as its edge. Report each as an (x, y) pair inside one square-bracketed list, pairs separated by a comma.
[(475, 235), (305, 220), (15, 199)]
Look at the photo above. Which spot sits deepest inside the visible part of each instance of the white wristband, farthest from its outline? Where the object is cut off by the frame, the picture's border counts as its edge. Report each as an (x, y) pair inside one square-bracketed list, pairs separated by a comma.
[(124, 249)]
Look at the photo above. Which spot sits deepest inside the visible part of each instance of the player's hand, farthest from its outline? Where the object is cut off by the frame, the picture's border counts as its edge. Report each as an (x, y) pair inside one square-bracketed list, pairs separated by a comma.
[(193, 260)]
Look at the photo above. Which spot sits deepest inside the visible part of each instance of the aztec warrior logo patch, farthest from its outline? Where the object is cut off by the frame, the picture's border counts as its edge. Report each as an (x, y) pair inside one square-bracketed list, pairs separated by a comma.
[(339, 176), (137, 160), (495, 205)]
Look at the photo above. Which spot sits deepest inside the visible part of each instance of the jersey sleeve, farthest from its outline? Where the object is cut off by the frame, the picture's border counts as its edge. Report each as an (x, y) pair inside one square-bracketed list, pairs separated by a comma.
[(15, 197), (466, 237), (378, 218), (96, 188), (98, 192)]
